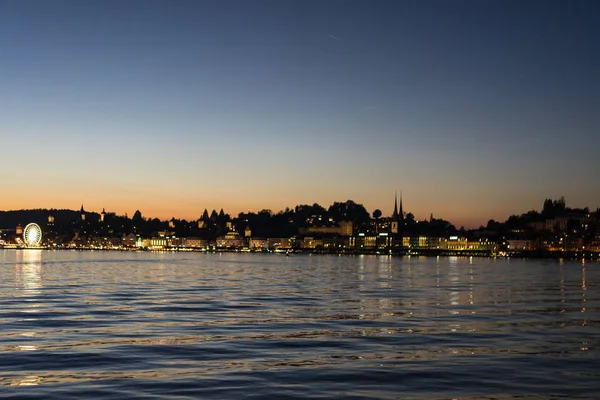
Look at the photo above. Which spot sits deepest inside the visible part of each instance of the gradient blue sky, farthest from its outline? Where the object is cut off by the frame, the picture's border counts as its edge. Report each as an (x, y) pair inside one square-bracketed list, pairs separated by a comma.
[(474, 109)]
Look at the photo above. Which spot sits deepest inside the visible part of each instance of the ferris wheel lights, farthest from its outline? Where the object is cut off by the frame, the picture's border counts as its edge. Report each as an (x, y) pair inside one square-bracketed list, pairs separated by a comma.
[(32, 235)]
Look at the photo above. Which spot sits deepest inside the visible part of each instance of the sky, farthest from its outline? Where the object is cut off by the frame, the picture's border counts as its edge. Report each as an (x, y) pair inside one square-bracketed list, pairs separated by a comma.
[(475, 110)]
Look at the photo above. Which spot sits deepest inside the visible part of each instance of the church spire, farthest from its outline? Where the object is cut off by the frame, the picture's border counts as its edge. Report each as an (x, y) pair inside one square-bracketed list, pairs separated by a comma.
[(395, 214), (401, 211)]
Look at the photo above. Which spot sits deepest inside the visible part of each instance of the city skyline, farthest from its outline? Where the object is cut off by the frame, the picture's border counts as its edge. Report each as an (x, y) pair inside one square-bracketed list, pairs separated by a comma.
[(398, 207), (475, 110)]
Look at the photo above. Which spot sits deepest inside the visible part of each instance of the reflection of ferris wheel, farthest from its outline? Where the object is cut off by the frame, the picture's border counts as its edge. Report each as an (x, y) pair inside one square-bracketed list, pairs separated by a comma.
[(32, 235)]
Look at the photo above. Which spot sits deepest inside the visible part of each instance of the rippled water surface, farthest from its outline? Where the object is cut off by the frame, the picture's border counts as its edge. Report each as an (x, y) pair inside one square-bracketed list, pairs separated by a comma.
[(181, 326)]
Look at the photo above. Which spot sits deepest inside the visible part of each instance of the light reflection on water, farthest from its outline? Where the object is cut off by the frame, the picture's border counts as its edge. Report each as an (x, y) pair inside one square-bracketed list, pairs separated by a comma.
[(28, 271), (162, 325)]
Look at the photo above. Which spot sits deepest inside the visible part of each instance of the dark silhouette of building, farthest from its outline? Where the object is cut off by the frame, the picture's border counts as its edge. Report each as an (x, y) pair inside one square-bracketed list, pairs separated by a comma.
[(397, 223)]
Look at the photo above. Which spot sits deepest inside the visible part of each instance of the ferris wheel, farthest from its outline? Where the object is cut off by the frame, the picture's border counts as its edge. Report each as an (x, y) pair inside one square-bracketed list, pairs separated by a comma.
[(32, 235)]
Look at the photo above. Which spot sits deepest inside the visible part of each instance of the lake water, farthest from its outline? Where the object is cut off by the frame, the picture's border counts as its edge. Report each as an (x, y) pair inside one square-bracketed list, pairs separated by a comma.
[(182, 326)]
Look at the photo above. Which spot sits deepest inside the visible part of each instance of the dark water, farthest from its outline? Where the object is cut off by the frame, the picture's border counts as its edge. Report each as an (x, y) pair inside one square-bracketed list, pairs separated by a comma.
[(181, 326)]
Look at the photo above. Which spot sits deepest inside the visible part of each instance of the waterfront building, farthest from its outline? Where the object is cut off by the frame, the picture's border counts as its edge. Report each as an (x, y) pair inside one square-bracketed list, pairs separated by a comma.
[(460, 244), (129, 240), (196, 243), (593, 245), (336, 242), (231, 240), (156, 243), (521, 244), (371, 240), (258, 244), (343, 228), (116, 242), (420, 242), (574, 244), (174, 241), (308, 243), (280, 243)]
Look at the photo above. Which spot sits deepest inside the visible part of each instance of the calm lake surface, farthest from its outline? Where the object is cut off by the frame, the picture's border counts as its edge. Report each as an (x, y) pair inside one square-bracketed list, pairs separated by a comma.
[(180, 326)]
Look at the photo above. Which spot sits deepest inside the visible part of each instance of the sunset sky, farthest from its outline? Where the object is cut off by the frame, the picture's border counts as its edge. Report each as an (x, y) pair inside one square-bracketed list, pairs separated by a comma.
[(474, 109)]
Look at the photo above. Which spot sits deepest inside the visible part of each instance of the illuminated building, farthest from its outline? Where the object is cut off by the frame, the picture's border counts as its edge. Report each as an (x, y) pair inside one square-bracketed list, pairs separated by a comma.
[(420, 242), (344, 228), (593, 245), (82, 212), (102, 215), (129, 240), (519, 244), (176, 242), (257, 244), (155, 243), (336, 242), (196, 243), (279, 243), (231, 239), (310, 243), (458, 244)]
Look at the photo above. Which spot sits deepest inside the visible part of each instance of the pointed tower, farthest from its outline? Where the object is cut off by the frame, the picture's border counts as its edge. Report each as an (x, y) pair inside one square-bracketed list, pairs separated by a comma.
[(395, 219), (82, 212), (401, 216), (102, 215)]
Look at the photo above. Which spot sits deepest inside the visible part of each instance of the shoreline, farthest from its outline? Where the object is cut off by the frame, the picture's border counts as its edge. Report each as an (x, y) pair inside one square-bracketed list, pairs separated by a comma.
[(530, 254)]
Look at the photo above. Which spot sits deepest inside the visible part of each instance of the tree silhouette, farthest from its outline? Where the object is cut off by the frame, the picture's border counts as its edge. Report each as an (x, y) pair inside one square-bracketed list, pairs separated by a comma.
[(205, 216), (137, 216), (349, 211)]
